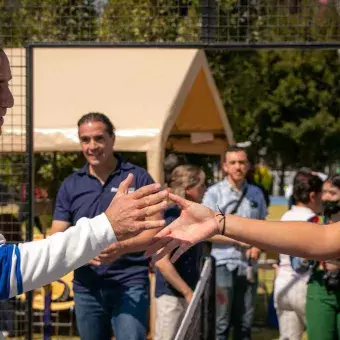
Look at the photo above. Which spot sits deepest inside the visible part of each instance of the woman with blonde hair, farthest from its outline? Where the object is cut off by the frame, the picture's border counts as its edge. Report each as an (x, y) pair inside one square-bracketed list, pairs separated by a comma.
[(175, 283)]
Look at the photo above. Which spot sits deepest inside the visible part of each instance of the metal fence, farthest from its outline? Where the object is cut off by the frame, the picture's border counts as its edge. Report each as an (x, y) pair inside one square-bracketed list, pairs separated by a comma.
[(16, 188), (218, 24), (213, 23)]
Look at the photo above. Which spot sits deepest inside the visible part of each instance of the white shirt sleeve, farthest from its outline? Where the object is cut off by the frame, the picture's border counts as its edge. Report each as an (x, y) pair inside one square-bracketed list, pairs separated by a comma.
[(35, 264)]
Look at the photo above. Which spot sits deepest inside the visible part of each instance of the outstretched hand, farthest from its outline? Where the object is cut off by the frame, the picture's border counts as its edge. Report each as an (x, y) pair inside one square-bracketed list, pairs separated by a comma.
[(195, 224), (127, 213)]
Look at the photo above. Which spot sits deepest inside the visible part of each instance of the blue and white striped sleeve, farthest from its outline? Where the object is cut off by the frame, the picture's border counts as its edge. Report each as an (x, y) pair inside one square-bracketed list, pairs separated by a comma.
[(10, 273), (34, 264)]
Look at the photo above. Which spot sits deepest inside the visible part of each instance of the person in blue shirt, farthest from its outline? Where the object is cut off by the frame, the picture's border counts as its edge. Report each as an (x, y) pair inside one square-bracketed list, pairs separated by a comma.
[(112, 291), (175, 283), (236, 279)]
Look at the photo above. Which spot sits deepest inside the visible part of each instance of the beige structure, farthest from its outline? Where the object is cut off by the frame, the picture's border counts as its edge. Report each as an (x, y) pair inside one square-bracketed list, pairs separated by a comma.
[(156, 98)]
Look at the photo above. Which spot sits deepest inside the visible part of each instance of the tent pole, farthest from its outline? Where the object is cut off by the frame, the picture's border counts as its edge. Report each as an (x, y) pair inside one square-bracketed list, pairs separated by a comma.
[(155, 159)]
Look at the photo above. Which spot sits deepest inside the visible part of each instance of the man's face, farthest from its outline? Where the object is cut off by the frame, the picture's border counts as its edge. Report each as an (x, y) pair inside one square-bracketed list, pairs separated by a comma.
[(6, 98), (96, 143), (236, 165)]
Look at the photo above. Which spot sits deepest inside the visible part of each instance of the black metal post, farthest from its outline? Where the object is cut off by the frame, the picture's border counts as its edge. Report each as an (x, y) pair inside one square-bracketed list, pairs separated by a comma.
[(216, 45), (54, 185), (208, 21), (208, 306), (212, 302), (30, 174)]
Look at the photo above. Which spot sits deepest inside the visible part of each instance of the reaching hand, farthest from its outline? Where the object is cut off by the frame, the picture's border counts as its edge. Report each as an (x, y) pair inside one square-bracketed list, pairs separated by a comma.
[(254, 253), (195, 224), (127, 212), (95, 262), (110, 254)]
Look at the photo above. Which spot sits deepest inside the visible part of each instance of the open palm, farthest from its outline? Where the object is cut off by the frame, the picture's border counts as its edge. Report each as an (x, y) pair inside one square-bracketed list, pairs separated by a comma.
[(195, 224)]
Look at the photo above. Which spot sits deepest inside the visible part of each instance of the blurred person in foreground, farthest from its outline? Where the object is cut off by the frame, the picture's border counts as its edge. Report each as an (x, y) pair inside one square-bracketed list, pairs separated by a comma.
[(31, 265), (323, 294), (290, 287), (236, 266), (175, 283), (261, 177)]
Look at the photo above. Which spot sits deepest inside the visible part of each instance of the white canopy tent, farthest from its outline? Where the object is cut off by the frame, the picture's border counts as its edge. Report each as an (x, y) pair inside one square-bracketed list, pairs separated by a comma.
[(156, 98)]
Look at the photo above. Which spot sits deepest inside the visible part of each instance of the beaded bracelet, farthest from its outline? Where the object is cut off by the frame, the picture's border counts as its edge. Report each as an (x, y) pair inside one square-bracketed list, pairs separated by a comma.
[(222, 218)]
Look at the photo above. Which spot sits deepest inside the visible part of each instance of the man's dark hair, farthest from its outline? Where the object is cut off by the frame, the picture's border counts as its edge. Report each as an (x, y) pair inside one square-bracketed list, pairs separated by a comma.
[(98, 117), (236, 148), (304, 184), (334, 180)]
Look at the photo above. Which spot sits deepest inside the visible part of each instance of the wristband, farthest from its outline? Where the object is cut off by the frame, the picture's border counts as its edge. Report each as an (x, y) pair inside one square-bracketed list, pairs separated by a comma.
[(222, 219)]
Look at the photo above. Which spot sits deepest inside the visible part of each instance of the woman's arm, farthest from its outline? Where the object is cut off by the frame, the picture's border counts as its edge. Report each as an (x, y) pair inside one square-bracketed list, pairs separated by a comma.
[(170, 274), (220, 239), (302, 239), (197, 223)]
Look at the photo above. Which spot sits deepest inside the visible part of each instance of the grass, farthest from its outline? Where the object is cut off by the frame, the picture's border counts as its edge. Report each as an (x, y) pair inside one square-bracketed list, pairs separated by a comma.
[(270, 334), (276, 211)]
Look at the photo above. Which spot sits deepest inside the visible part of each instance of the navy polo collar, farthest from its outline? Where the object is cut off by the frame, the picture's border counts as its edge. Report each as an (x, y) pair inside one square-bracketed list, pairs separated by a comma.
[(121, 165)]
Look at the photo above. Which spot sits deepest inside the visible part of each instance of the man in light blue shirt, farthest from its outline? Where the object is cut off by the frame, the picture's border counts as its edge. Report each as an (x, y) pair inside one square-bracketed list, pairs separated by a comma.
[(235, 289)]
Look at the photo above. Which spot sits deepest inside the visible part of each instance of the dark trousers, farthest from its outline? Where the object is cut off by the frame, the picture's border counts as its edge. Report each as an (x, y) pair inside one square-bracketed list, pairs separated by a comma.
[(235, 304), (7, 316)]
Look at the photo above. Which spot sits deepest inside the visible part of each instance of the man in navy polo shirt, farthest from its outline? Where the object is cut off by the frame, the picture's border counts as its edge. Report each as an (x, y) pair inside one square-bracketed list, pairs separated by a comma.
[(115, 294)]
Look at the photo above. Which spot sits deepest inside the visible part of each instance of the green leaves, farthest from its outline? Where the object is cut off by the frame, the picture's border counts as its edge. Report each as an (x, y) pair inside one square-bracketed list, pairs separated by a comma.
[(150, 21), (48, 20), (284, 101)]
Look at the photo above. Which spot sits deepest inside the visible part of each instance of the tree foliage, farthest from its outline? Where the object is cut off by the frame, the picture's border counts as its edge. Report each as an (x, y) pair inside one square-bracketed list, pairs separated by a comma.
[(285, 102), (150, 21), (25, 21)]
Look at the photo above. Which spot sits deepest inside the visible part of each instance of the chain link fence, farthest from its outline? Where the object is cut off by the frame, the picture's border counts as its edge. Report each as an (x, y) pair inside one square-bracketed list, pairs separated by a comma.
[(216, 24), (199, 22)]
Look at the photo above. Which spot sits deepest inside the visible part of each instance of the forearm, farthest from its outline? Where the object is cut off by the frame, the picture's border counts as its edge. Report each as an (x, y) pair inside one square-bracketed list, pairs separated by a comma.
[(58, 227), (302, 239), (219, 239), (171, 275), (41, 262)]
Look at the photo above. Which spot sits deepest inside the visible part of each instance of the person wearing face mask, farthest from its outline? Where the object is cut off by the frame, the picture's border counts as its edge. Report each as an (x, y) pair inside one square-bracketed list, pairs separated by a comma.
[(31, 265), (175, 283), (323, 295), (293, 273)]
